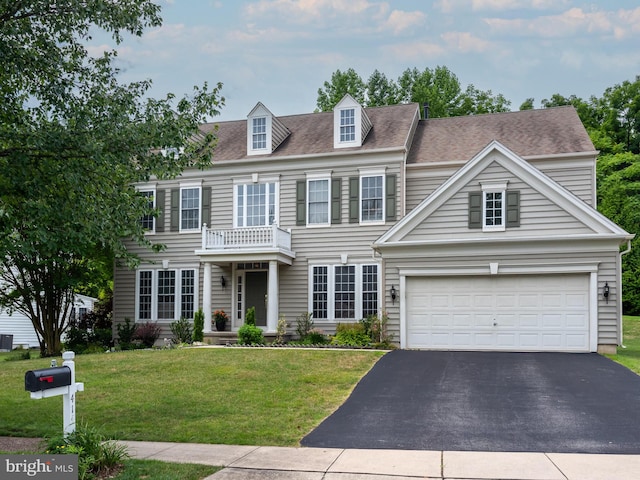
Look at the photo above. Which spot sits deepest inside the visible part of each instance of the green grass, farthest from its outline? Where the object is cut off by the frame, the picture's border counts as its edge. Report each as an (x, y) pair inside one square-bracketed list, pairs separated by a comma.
[(629, 356), (156, 470), (226, 396)]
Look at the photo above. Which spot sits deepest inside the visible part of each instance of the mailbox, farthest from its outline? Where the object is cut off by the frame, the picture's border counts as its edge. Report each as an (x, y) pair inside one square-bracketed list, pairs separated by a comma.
[(47, 378)]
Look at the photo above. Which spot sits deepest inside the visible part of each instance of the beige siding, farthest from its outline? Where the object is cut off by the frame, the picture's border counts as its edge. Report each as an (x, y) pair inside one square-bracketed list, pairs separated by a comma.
[(578, 177), (310, 244), (538, 215)]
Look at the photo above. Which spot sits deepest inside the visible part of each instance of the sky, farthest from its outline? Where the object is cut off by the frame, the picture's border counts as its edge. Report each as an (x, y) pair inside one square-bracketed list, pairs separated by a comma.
[(279, 52)]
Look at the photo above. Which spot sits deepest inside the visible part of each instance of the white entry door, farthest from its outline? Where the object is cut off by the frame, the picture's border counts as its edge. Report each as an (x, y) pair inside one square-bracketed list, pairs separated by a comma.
[(508, 312)]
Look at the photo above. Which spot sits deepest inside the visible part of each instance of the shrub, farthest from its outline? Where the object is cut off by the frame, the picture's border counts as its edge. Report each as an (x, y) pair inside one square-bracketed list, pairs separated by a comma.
[(76, 340), (351, 334), (181, 330), (97, 457), (147, 333), (315, 337), (18, 354), (198, 326), (281, 330), (250, 335), (250, 317), (126, 334), (304, 324), (379, 335)]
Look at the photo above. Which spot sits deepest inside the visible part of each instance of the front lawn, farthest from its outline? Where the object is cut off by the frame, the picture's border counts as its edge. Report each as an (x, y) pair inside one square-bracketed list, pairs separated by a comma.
[(208, 395), (630, 355)]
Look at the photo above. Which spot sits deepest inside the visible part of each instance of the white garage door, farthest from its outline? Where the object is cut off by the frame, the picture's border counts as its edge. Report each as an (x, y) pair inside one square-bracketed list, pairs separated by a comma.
[(516, 313)]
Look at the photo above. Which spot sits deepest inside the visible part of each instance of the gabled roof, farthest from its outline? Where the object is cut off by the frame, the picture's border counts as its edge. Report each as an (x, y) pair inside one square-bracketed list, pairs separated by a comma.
[(278, 131), (527, 133), (312, 133), (601, 226)]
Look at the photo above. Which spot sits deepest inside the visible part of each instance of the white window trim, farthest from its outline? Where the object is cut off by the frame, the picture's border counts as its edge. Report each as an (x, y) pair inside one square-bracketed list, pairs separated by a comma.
[(269, 135), (315, 176), (373, 172), (254, 179), (331, 290), (494, 188), (152, 189), (188, 186), (357, 117), (178, 292)]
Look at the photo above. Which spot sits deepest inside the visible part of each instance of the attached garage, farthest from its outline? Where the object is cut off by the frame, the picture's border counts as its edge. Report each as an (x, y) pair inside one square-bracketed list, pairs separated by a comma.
[(499, 312)]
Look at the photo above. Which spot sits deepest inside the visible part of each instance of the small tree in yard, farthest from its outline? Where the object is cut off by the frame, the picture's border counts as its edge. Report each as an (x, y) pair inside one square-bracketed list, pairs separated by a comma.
[(73, 142)]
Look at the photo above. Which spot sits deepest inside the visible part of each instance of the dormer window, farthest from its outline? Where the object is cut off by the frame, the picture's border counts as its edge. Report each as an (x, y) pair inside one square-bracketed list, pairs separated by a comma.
[(259, 128), (265, 132), (347, 125), (350, 123)]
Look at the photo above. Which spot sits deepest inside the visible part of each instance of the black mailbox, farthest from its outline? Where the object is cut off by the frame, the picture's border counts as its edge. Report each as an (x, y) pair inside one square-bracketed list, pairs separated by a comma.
[(47, 378)]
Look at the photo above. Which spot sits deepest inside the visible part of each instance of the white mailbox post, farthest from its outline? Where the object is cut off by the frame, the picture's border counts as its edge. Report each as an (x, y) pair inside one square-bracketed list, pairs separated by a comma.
[(51, 382)]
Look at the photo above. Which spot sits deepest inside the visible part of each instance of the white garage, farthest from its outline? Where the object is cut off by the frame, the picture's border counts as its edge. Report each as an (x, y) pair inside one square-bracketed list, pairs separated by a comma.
[(499, 312)]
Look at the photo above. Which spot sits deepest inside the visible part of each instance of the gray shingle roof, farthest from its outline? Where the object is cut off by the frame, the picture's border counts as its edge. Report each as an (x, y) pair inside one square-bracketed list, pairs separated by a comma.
[(312, 133), (527, 133)]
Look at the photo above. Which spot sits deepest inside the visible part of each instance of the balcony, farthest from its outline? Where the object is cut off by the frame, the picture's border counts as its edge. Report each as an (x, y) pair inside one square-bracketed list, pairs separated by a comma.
[(247, 244)]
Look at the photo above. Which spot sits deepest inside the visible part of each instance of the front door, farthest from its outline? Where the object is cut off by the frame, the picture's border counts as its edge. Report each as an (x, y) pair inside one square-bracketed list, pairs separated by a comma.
[(256, 295)]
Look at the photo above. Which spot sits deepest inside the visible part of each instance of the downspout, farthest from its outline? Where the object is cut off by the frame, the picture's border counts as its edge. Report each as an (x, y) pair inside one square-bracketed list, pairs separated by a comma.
[(624, 252)]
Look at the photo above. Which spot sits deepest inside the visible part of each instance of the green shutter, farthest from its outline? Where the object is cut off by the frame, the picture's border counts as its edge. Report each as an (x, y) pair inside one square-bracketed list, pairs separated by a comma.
[(513, 208), (161, 208), (475, 209), (301, 202), (354, 199), (336, 200), (390, 207), (206, 206), (175, 209)]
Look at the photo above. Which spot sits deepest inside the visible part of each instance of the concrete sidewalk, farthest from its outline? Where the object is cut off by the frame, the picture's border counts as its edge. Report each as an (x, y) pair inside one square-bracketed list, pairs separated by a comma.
[(246, 462)]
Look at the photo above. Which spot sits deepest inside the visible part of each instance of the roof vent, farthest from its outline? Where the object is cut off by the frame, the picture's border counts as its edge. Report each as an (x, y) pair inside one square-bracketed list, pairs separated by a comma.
[(425, 108)]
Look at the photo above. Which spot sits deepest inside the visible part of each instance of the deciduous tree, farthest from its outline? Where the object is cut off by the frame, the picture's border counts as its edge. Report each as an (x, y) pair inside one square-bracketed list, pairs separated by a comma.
[(73, 141)]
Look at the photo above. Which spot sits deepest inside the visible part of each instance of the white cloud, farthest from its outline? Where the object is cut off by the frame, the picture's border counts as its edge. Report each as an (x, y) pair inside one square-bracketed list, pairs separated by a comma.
[(306, 11), (400, 21), (413, 51), (572, 22), (466, 42), (341, 16), (449, 6)]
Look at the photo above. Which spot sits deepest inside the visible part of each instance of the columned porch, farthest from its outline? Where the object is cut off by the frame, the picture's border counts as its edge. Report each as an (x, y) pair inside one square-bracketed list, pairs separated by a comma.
[(252, 257)]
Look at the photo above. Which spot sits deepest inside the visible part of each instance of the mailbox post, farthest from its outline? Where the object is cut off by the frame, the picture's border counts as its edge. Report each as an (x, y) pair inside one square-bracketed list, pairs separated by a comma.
[(51, 382)]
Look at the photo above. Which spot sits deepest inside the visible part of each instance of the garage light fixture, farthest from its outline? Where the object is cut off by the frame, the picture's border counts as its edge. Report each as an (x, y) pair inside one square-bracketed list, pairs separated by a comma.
[(605, 291), (393, 293)]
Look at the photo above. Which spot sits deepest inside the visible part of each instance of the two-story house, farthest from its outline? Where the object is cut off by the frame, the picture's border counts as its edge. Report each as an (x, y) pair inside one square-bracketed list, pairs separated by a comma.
[(474, 232)]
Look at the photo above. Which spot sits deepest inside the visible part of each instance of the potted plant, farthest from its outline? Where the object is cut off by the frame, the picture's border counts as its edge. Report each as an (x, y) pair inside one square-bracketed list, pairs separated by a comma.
[(220, 317)]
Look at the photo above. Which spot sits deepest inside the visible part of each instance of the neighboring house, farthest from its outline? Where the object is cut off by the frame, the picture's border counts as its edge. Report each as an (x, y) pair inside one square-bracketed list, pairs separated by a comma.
[(19, 326), (474, 232)]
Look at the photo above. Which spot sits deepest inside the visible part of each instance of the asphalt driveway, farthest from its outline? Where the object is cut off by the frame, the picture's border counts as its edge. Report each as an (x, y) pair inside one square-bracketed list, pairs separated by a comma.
[(503, 402)]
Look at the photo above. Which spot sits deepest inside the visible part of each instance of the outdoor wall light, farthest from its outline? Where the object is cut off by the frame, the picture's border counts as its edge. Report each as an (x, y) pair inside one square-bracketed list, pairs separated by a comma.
[(393, 293), (605, 291), (223, 282)]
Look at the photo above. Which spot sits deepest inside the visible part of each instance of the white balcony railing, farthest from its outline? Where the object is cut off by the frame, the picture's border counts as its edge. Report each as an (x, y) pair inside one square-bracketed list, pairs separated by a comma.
[(246, 238)]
